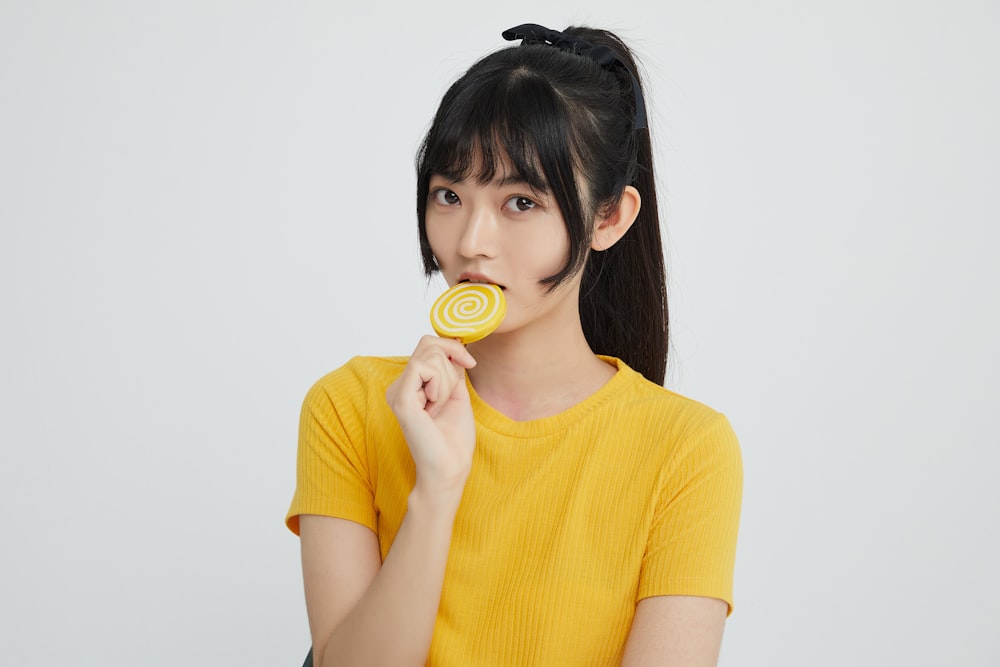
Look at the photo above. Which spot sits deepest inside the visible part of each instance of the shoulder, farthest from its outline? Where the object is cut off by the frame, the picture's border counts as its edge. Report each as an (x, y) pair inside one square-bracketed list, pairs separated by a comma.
[(360, 372), (686, 437), (353, 383), (683, 417)]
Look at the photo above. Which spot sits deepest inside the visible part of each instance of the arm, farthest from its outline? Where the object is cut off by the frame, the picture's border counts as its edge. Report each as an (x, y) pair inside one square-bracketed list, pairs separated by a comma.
[(686, 586), (365, 612), (676, 631)]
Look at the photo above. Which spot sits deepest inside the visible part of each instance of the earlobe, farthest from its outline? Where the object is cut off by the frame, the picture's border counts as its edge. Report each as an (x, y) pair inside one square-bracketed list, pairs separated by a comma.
[(613, 226)]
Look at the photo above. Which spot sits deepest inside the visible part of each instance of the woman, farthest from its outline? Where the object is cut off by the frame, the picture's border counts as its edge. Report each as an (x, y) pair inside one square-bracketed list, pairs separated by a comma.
[(535, 497)]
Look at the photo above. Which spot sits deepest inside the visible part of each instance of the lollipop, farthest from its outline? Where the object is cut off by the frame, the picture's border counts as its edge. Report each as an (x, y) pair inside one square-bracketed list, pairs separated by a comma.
[(468, 311)]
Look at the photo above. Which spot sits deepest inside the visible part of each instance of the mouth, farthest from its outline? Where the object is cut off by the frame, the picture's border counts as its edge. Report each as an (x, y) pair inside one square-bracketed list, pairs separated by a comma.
[(478, 278)]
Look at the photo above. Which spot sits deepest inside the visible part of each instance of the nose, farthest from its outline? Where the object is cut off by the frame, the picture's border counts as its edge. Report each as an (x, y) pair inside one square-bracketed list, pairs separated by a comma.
[(479, 235)]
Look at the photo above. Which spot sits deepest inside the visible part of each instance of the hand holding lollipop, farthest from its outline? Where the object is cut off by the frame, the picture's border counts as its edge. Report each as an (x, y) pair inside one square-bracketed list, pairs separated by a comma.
[(430, 399)]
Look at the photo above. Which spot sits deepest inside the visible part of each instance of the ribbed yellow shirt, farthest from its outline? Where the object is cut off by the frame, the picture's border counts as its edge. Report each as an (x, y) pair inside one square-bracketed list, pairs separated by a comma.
[(565, 523)]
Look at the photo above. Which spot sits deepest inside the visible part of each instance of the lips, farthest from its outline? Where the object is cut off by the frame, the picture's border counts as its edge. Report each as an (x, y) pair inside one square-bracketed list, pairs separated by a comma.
[(478, 278)]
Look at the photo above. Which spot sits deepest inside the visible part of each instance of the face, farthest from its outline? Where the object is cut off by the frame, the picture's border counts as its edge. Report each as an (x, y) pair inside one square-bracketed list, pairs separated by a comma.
[(508, 234)]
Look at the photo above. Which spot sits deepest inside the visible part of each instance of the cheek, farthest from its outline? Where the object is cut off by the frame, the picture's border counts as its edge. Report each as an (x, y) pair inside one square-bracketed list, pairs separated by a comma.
[(544, 262), (437, 240), (547, 252)]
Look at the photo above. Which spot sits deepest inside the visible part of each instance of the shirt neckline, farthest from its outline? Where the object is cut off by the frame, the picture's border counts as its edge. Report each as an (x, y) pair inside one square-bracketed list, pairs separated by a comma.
[(494, 420)]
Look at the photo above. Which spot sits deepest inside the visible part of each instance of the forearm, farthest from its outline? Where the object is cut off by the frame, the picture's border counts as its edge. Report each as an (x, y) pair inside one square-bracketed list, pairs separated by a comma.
[(393, 622)]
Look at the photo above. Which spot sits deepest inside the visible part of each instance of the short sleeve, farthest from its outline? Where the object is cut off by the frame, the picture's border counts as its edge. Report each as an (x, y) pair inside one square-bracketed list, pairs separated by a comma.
[(692, 542), (332, 472)]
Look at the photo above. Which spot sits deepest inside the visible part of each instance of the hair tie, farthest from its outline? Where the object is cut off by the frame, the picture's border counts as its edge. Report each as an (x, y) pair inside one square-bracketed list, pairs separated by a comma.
[(531, 33)]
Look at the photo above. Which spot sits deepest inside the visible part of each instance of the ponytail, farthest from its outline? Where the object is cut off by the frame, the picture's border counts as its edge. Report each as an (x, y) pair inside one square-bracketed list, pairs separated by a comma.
[(623, 295)]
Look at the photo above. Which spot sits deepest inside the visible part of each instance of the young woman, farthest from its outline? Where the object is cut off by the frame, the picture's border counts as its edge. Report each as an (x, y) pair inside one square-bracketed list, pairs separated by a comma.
[(536, 497)]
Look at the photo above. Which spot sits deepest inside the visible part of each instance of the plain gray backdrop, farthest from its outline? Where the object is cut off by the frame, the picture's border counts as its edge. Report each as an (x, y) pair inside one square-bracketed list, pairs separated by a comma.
[(206, 206)]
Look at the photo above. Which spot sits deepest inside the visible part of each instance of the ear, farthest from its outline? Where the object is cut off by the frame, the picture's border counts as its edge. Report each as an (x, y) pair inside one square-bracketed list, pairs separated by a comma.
[(613, 226)]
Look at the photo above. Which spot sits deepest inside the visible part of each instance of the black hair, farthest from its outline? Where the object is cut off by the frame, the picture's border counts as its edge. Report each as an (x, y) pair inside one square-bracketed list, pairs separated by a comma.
[(554, 114)]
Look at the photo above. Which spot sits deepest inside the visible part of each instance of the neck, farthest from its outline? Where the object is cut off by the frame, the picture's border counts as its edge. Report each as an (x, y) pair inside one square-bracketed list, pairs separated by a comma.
[(534, 373)]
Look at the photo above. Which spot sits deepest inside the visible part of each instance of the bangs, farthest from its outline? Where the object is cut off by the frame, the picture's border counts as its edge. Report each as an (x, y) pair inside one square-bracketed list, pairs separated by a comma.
[(508, 126), (504, 120)]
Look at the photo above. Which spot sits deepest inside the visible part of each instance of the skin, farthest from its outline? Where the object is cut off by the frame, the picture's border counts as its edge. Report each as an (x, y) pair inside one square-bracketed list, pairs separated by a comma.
[(538, 363)]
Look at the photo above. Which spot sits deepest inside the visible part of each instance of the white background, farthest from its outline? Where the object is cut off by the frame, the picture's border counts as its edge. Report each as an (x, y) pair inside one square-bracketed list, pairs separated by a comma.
[(205, 206)]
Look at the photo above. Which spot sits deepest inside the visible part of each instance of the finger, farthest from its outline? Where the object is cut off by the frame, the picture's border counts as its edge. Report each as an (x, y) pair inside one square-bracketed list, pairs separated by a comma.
[(430, 386), (439, 383), (451, 347), (411, 391), (459, 354), (435, 368)]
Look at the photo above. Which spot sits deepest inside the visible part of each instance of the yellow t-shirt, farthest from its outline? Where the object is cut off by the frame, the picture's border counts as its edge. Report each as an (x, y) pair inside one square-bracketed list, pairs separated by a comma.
[(565, 523)]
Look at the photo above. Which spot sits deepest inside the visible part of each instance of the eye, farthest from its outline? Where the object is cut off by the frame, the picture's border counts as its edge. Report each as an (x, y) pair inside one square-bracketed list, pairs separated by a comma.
[(445, 197), (519, 204)]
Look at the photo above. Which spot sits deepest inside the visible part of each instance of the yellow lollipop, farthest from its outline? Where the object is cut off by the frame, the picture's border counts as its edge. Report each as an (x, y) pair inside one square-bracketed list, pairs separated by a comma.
[(468, 312)]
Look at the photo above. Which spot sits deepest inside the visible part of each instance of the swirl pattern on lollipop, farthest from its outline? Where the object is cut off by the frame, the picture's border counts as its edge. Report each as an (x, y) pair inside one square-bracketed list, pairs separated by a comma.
[(468, 311)]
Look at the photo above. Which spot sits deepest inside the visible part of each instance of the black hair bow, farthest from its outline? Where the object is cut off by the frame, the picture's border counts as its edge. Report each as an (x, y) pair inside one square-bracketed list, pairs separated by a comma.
[(532, 33)]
